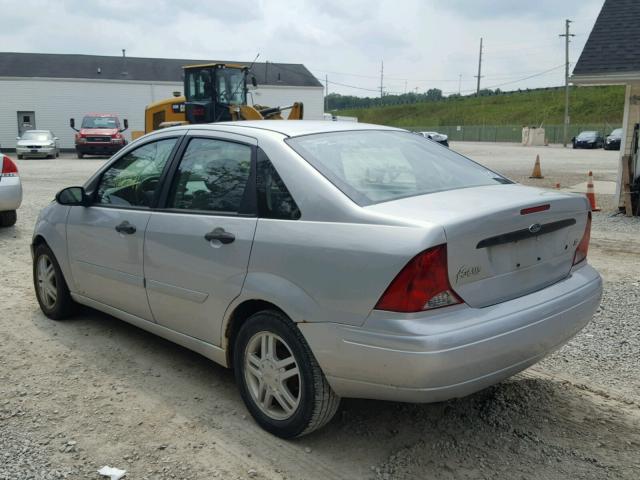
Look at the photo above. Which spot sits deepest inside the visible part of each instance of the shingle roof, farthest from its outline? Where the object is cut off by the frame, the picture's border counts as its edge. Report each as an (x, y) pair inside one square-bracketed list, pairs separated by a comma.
[(137, 68), (614, 43)]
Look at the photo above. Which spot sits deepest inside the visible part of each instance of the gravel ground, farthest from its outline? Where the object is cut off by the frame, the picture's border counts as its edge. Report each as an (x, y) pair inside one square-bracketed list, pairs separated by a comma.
[(94, 391)]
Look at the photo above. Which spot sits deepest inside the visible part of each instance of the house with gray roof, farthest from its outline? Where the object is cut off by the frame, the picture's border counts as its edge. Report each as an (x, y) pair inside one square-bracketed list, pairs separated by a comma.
[(44, 90), (611, 56)]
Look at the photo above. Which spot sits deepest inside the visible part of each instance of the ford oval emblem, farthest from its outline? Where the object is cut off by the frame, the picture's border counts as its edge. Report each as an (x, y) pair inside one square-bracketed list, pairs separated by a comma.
[(535, 228)]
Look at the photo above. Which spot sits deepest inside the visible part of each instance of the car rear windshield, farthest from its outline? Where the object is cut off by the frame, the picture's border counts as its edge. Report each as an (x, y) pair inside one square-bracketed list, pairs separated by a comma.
[(374, 166)]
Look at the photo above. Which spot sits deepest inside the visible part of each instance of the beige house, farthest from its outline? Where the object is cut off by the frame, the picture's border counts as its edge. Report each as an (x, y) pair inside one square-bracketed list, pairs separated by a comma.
[(611, 56)]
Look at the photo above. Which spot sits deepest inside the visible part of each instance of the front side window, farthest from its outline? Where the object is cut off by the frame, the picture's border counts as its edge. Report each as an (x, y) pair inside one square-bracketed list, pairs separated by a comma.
[(133, 179), (212, 176), (373, 166), (230, 86)]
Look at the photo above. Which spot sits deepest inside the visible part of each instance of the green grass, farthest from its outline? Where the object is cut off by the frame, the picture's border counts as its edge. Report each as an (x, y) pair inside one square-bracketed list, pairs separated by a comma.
[(588, 105)]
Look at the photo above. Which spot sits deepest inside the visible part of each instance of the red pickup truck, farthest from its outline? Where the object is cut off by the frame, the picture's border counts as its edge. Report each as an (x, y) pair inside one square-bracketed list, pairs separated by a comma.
[(99, 134)]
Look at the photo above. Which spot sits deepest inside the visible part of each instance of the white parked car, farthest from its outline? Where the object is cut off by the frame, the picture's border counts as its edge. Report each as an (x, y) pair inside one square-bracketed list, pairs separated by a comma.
[(440, 138), (10, 192), (37, 143), (322, 260)]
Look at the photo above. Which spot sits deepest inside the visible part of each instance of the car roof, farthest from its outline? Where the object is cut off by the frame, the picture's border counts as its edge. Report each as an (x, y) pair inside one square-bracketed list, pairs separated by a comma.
[(291, 128), (36, 131)]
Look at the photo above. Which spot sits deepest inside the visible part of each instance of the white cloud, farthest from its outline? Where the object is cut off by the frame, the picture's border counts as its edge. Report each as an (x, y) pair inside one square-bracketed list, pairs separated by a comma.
[(427, 43)]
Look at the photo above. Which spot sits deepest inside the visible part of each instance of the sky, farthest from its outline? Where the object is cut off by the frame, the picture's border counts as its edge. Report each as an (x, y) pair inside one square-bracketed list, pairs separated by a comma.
[(423, 43)]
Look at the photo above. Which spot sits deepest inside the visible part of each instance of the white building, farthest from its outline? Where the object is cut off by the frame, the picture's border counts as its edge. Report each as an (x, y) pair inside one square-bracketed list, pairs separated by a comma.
[(43, 91)]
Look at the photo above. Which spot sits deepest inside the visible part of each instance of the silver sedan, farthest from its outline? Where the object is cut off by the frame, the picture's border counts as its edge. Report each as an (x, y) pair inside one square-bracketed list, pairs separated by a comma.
[(322, 260), (37, 143), (10, 191)]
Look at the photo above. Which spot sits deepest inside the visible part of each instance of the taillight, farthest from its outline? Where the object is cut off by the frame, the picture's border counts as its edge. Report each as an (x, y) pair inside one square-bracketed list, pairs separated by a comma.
[(9, 169), (423, 284), (583, 246)]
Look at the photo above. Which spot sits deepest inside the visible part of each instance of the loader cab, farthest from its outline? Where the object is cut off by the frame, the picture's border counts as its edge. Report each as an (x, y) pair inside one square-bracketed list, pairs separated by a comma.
[(211, 89)]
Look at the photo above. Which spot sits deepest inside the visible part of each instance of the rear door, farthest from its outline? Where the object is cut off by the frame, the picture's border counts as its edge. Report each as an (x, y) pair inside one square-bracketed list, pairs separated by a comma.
[(105, 240), (197, 247)]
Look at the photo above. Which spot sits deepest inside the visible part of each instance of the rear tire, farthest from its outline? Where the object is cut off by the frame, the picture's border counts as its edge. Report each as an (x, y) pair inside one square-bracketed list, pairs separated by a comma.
[(268, 347), (20, 157), (8, 219), (80, 155), (51, 288)]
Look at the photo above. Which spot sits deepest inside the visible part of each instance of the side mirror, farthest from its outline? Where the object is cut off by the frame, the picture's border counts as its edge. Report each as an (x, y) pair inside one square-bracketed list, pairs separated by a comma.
[(73, 196), (72, 124), (126, 125), (254, 82)]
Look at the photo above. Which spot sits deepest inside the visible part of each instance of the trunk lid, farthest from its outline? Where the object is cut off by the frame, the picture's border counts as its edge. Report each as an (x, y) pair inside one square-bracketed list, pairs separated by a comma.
[(496, 251)]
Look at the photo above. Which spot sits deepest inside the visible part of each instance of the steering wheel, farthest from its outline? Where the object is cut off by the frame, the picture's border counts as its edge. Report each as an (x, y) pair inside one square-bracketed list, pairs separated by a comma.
[(145, 189)]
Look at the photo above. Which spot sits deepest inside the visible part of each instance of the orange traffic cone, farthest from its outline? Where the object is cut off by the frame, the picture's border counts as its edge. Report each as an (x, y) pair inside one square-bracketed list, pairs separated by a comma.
[(537, 172), (591, 194)]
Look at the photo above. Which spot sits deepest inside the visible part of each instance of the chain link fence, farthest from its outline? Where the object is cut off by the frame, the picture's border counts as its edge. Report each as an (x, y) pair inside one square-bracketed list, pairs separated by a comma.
[(511, 133)]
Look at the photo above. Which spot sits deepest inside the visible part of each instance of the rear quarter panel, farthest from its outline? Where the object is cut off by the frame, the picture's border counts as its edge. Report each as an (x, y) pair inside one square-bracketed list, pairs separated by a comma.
[(330, 272)]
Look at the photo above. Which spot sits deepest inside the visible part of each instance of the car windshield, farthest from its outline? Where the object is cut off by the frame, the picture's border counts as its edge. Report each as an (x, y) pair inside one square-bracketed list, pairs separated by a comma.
[(99, 122), (374, 166), (587, 135), (37, 136), (616, 133)]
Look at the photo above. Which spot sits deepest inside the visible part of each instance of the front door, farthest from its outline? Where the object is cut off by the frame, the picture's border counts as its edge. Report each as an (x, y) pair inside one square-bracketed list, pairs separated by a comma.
[(26, 121), (196, 251), (105, 240)]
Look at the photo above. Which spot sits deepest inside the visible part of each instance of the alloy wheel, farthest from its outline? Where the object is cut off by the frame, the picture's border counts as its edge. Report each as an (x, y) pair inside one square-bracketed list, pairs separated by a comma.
[(47, 286), (272, 375)]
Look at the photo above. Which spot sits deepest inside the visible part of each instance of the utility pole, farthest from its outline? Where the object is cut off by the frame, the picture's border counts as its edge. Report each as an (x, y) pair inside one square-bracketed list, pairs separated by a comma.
[(460, 84), (326, 93), (566, 36), (479, 76), (382, 79)]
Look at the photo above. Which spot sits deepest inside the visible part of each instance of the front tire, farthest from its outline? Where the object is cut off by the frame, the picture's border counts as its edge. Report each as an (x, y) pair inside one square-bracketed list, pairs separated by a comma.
[(7, 219), (51, 288), (280, 380), (20, 157), (80, 155)]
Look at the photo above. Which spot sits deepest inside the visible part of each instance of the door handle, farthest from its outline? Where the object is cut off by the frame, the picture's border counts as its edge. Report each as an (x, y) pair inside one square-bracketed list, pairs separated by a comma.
[(126, 227), (221, 235)]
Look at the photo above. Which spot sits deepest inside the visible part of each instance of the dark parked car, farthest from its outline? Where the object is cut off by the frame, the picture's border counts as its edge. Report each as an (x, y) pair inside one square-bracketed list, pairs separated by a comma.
[(614, 139), (588, 139)]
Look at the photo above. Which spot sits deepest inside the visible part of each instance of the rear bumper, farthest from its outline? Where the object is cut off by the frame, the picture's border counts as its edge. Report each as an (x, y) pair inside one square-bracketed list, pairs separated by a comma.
[(10, 193), (454, 351)]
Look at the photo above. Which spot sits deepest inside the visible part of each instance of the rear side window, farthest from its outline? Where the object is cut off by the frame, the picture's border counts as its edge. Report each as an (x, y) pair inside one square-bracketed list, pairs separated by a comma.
[(374, 166), (274, 199), (212, 176)]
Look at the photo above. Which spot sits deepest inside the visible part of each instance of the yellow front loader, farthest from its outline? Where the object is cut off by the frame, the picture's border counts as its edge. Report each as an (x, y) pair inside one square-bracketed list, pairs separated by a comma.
[(214, 92)]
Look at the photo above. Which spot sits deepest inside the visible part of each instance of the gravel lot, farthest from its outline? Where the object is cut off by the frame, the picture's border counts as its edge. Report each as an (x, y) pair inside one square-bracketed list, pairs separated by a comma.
[(94, 391)]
